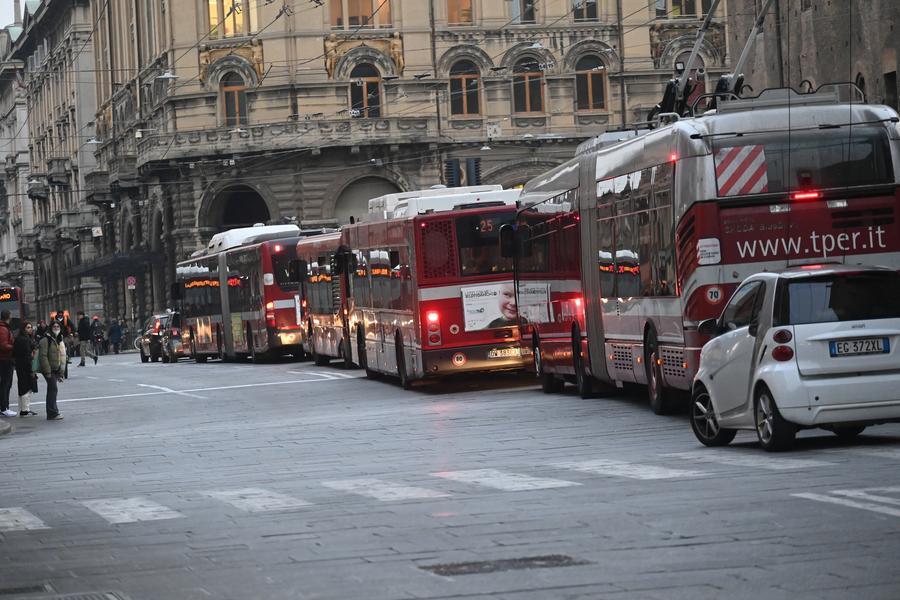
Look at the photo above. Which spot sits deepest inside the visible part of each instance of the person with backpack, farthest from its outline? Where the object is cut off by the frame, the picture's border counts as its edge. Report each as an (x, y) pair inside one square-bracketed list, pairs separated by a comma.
[(52, 359), (24, 353)]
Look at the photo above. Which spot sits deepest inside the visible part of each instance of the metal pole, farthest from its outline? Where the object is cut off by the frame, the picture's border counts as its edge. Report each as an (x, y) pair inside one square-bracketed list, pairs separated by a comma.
[(622, 98), (757, 30), (701, 33)]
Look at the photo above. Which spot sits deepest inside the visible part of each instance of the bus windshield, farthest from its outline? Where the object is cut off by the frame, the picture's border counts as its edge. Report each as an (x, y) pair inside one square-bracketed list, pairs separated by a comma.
[(285, 276), (785, 161), (478, 240)]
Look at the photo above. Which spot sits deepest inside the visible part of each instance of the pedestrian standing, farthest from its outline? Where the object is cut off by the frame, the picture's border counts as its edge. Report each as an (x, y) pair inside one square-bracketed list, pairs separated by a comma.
[(85, 341), (52, 360), (6, 364), (24, 353), (97, 337), (115, 336), (41, 329)]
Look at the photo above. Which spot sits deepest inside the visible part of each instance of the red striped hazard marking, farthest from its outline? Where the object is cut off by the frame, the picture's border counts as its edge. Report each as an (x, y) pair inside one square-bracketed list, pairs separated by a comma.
[(741, 170)]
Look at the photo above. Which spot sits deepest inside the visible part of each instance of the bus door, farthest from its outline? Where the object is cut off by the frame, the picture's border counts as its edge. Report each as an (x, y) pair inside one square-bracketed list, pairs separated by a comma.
[(595, 207), (224, 328)]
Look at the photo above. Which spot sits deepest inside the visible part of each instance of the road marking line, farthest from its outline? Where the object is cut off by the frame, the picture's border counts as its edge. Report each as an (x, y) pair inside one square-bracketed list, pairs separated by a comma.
[(211, 389), (508, 482), (130, 510), (117, 380), (734, 458), (382, 490), (892, 453), (89, 377), (865, 495), (617, 468), (19, 519), (877, 508), (171, 391), (256, 500)]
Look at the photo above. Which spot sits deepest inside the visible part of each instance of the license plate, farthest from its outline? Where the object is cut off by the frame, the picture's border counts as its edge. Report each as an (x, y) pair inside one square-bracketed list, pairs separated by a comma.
[(862, 346), (504, 353)]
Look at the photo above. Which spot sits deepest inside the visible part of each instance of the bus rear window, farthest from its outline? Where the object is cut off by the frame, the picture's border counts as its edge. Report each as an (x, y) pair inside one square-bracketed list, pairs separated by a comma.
[(781, 162), (843, 297), (478, 239)]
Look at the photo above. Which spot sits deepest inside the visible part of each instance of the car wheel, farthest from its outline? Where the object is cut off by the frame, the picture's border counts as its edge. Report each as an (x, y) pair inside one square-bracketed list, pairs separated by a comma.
[(704, 422), (144, 357), (549, 383), (848, 432), (405, 381), (773, 431), (662, 401)]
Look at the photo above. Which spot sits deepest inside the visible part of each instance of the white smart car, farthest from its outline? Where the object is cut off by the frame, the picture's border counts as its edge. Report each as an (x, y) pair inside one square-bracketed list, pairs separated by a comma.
[(811, 346)]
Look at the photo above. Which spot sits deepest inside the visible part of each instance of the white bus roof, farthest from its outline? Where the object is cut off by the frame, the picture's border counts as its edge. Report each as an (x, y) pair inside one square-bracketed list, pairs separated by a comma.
[(383, 206), (415, 206), (236, 237)]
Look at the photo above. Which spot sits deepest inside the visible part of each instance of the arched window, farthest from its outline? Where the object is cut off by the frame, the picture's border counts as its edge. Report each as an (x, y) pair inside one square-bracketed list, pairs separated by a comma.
[(464, 88), (590, 83), (528, 86), (234, 99), (365, 91)]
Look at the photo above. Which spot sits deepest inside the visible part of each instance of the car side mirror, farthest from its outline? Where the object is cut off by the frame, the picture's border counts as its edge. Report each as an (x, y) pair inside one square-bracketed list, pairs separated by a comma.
[(753, 329), (709, 327)]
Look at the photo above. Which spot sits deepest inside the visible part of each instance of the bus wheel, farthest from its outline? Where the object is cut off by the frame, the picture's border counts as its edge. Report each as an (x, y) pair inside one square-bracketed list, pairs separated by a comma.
[(583, 382), (549, 383), (662, 400), (348, 356), (364, 357), (318, 359), (405, 382)]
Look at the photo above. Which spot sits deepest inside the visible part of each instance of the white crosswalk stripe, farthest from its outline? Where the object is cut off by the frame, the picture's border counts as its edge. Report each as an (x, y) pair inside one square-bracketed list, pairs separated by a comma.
[(501, 480), (617, 468), (257, 500), (757, 460), (19, 519), (382, 490), (130, 510), (889, 453)]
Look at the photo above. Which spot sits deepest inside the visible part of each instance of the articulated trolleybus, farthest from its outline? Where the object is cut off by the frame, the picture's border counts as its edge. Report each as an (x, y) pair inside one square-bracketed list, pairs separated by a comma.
[(424, 290), (637, 242), (240, 296)]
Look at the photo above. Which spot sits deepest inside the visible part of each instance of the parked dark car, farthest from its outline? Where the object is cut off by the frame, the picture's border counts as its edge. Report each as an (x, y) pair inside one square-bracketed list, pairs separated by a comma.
[(152, 334)]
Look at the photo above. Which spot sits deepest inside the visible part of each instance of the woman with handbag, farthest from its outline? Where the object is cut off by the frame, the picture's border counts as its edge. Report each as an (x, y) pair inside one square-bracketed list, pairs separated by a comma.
[(24, 353), (52, 357)]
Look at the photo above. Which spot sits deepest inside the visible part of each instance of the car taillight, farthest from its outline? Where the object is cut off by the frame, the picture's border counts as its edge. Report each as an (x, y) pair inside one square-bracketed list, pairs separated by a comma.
[(782, 353), (156, 326), (782, 336), (433, 324), (270, 321), (175, 332)]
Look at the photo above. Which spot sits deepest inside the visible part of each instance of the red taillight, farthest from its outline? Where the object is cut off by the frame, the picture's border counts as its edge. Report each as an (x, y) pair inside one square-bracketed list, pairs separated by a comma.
[(432, 316), (277, 247), (270, 321), (782, 336), (673, 157), (156, 326), (782, 353), (433, 324), (434, 339), (806, 195), (577, 303)]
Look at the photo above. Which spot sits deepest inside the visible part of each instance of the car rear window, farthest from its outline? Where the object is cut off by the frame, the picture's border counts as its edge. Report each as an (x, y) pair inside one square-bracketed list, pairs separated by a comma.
[(840, 297)]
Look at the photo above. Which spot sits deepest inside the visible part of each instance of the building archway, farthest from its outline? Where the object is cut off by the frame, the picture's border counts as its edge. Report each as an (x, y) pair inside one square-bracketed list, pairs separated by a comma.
[(353, 200), (237, 206)]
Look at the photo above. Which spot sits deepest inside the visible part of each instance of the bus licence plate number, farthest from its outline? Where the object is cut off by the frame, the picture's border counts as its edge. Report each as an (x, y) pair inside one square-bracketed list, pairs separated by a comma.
[(504, 353), (861, 346)]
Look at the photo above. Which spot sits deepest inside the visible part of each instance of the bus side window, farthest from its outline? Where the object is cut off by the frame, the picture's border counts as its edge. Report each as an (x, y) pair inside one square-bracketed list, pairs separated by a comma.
[(664, 235)]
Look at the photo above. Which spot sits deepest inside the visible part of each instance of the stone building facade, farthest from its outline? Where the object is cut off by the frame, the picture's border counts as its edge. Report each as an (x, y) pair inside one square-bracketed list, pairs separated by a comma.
[(56, 51), (813, 42), (213, 114), (16, 217)]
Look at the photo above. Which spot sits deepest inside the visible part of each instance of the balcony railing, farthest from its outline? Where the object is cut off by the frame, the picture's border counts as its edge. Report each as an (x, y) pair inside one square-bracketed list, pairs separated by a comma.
[(287, 135)]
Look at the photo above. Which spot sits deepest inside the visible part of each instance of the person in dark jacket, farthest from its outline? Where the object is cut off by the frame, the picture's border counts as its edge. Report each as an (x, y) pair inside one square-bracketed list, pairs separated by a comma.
[(52, 361), (115, 336), (24, 351), (6, 364), (85, 339)]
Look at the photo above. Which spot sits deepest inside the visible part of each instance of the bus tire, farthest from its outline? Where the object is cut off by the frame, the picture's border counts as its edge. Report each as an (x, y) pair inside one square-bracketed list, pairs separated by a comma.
[(405, 381), (363, 356), (348, 355), (663, 401), (319, 360), (549, 383), (583, 382)]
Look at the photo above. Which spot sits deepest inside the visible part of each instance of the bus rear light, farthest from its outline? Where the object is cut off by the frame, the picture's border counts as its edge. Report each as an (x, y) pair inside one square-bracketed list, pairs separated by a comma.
[(432, 316), (782, 336), (270, 306), (782, 353), (811, 195), (673, 157), (577, 303), (270, 320), (434, 339)]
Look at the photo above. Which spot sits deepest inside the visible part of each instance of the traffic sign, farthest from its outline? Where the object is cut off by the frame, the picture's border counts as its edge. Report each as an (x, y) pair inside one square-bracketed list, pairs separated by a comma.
[(131, 282)]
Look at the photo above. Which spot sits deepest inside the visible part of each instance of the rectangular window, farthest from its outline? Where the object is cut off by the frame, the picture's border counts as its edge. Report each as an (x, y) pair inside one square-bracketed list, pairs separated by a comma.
[(228, 18), (523, 11), (590, 90), (353, 14), (585, 10), (661, 10), (478, 240), (457, 99), (459, 12)]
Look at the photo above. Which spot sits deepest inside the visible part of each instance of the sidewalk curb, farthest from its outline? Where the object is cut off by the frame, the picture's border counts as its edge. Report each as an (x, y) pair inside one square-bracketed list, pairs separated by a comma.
[(5, 427)]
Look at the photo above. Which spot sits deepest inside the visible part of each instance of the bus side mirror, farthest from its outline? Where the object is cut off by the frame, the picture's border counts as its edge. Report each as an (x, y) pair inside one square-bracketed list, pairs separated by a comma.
[(175, 291), (507, 241), (709, 327)]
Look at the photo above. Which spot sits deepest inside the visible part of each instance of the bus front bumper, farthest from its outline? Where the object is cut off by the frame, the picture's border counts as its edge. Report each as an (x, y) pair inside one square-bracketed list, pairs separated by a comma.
[(487, 357)]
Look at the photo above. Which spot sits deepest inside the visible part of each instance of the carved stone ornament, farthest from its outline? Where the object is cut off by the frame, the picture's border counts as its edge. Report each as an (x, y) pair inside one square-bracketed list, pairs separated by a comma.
[(336, 48), (253, 54)]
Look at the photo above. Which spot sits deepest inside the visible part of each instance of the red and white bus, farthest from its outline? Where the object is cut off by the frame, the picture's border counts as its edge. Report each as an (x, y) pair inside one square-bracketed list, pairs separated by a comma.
[(666, 225), (324, 322), (11, 299), (424, 290), (240, 297)]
